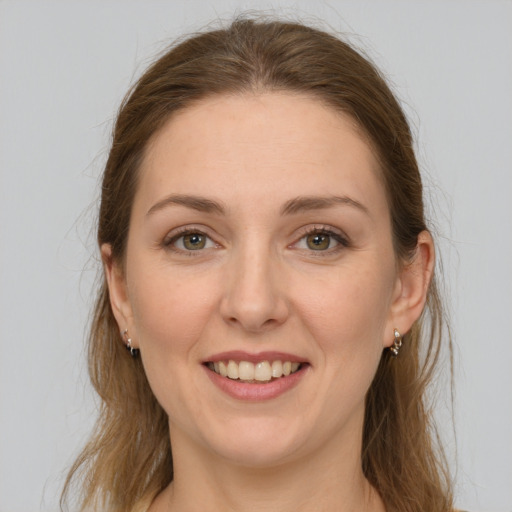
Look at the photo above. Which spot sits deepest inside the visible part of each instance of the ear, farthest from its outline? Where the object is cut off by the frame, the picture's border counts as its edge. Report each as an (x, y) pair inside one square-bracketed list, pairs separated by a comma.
[(117, 289), (412, 287)]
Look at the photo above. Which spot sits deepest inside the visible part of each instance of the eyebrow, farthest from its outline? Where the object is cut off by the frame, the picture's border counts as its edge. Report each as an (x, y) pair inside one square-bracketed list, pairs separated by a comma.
[(307, 203), (201, 204), (291, 207)]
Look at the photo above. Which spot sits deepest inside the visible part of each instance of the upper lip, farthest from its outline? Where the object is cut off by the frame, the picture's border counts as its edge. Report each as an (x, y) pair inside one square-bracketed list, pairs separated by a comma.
[(240, 355)]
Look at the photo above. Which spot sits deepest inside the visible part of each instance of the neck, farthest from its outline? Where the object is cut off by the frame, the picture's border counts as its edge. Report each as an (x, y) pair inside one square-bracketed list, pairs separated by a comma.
[(207, 483)]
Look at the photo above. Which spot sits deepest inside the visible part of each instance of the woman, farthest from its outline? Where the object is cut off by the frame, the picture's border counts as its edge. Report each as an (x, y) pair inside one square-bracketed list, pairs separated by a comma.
[(269, 269)]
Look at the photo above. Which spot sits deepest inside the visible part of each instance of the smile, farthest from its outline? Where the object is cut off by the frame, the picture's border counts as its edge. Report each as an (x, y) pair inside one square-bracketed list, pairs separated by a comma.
[(246, 371)]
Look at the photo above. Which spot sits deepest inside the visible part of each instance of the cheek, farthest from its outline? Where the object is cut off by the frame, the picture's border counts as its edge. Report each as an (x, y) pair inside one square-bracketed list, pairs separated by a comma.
[(170, 309), (347, 311), (170, 312)]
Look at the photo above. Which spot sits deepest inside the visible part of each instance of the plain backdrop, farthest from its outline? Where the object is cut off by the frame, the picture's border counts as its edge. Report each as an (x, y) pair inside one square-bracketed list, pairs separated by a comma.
[(64, 68)]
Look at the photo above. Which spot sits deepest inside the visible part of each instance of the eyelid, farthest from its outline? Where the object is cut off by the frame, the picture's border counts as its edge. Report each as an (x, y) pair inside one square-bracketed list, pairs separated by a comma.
[(339, 236), (177, 233)]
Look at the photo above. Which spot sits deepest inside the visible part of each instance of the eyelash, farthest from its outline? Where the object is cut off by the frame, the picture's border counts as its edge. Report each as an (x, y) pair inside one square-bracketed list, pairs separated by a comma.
[(169, 241), (341, 240)]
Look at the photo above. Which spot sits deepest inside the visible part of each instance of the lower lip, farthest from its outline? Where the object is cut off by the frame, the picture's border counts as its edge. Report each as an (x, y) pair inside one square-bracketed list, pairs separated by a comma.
[(256, 392)]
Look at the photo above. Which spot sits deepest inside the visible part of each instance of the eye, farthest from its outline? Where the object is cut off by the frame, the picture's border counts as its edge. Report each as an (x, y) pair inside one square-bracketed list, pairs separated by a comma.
[(321, 240), (190, 241)]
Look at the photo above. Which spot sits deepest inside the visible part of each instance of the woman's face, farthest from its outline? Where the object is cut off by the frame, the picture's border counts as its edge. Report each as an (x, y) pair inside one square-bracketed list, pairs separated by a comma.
[(260, 242)]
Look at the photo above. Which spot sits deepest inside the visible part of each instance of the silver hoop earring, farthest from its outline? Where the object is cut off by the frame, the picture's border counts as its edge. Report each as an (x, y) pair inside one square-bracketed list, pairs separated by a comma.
[(128, 344), (397, 343)]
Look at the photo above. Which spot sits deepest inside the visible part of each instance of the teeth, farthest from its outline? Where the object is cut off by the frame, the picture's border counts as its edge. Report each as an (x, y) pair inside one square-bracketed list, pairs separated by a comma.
[(223, 370), (232, 370), (277, 369), (263, 371), (247, 371)]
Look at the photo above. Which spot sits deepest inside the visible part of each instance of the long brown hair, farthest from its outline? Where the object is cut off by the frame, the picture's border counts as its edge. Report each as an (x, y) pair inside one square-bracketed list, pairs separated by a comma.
[(128, 459)]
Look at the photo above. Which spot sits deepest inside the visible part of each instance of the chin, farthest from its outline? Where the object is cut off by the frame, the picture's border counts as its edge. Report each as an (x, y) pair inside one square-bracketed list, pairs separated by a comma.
[(258, 443)]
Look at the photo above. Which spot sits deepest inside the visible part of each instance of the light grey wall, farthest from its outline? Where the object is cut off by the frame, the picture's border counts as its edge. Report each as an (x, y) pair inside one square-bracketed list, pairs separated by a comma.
[(64, 66)]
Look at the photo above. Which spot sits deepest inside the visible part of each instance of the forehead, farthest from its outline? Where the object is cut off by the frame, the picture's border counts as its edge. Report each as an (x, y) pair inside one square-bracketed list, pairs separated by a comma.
[(258, 147)]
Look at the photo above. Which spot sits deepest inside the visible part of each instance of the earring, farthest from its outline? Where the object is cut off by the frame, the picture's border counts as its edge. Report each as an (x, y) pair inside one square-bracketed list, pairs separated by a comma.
[(128, 344), (397, 343)]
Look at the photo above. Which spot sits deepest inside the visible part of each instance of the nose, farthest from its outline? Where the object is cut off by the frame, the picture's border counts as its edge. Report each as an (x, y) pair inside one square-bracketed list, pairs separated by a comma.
[(253, 297)]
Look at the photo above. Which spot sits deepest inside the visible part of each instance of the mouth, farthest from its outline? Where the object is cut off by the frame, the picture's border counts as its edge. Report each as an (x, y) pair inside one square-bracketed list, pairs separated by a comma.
[(254, 373)]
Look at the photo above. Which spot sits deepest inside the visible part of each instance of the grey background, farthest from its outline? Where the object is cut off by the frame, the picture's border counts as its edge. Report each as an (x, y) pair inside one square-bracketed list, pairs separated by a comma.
[(64, 67)]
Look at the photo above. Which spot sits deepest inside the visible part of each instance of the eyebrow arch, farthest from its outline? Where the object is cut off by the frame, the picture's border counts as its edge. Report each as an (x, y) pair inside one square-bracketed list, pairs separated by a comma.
[(306, 203), (195, 202), (293, 206)]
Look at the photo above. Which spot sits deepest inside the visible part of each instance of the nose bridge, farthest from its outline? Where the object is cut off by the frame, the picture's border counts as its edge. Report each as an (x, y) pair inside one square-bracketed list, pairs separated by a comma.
[(253, 297)]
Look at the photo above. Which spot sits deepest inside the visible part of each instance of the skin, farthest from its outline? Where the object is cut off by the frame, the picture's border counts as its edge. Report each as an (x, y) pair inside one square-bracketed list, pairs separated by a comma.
[(259, 284)]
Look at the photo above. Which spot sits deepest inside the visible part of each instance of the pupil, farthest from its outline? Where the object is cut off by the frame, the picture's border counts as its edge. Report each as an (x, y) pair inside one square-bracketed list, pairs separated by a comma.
[(194, 241), (318, 241)]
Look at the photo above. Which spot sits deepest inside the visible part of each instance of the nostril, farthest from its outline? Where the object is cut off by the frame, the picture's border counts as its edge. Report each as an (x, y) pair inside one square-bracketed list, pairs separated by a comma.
[(252, 303), (253, 325)]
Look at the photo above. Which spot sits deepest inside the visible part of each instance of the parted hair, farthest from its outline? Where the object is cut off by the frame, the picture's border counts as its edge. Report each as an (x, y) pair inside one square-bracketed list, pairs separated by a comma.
[(128, 459)]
